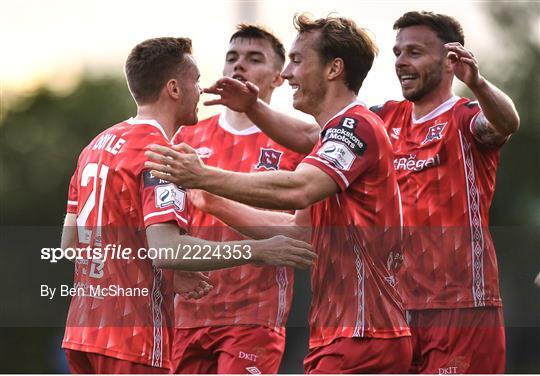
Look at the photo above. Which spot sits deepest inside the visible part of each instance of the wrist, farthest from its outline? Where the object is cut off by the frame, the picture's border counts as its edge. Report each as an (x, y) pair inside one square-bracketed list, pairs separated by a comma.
[(255, 108), (255, 250), (479, 85)]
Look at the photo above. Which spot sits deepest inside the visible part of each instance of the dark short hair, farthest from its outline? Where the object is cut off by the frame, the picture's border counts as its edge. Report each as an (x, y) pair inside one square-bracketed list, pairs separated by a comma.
[(152, 63), (259, 32), (445, 27), (341, 38)]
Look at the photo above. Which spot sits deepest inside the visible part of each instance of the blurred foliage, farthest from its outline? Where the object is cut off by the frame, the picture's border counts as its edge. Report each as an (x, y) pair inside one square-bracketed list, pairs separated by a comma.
[(517, 28), (43, 134), (41, 138)]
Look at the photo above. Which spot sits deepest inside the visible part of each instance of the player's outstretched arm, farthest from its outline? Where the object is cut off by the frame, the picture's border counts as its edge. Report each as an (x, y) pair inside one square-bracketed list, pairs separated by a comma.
[(286, 130), (193, 254), (284, 190), (499, 117), (251, 222)]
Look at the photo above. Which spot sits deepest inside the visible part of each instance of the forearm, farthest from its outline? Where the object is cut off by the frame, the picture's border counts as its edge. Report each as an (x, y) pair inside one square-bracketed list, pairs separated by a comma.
[(497, 107), (69, 232), (286, 130), (270, 190), (256, 223)]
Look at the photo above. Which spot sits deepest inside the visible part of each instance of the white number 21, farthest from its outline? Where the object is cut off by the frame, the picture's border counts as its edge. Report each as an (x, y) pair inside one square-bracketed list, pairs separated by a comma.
[(91, 172)]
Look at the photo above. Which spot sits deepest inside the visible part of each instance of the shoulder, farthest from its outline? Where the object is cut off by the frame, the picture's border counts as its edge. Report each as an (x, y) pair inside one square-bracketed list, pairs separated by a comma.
[(466, 108), (383, 109), (188, 132)]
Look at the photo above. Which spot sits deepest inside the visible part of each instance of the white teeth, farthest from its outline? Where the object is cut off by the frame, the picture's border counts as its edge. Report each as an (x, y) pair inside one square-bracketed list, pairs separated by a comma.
[(407, 77)]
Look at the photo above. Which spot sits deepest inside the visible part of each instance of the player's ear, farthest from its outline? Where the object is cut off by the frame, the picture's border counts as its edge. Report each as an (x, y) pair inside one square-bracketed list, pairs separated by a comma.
[(278, 80), (173, 89), (335, 68)]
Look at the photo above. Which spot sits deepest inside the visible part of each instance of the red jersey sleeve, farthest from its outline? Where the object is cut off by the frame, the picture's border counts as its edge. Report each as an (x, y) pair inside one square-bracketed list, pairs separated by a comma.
[(73, 194), (163, 201), (347, 148), (466, 115)]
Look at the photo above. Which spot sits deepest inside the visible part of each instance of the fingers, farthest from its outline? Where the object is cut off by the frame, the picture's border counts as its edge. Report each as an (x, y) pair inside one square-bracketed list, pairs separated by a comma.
[(164, 150), (184, 148), (163, 160), (459, 50)]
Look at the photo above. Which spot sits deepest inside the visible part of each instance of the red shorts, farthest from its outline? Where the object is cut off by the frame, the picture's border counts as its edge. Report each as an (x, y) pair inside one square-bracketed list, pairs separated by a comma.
[(239, 349), (464, 340), (361, 355), (85, 362)]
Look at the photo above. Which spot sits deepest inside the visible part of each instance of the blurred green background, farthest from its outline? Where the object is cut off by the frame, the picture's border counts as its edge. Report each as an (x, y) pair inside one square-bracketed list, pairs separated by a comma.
[(42, 134)]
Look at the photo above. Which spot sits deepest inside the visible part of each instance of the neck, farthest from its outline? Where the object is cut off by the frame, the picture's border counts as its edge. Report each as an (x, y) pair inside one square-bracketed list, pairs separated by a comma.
[(334, 101), (431, 101), (165, 118), (237, 120)]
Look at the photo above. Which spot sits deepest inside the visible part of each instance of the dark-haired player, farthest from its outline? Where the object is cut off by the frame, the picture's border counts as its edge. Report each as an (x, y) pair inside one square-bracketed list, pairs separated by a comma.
[(348, 189), (446, 157), (447, 153), (240, 326)]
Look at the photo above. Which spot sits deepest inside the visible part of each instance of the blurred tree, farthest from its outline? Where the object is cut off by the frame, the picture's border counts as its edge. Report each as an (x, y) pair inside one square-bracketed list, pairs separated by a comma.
[(41, 138), (517, 27)]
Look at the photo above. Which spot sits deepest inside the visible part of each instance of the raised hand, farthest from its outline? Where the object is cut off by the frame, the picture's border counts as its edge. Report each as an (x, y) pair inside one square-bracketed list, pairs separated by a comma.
[(180, 164), (234, 94), (464, 64), (283, 251), (191, 285)]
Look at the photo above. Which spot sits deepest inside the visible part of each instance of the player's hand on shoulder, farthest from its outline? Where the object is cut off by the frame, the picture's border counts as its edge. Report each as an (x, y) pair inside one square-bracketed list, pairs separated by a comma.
[(191, 285), (180, 164), (237, 95), (284, 251)]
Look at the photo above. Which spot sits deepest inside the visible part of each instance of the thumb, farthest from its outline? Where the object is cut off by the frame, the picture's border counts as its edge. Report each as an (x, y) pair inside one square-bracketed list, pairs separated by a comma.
[(252, 87)]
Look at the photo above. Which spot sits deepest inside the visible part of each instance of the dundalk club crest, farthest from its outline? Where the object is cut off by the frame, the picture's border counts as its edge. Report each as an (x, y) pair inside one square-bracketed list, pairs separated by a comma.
[(269, 159), (434, 133)]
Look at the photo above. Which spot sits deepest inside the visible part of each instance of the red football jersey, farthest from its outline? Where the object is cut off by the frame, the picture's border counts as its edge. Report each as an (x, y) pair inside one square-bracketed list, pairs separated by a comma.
[(115, 199), (246, 294), (356, 233), (447, 181)]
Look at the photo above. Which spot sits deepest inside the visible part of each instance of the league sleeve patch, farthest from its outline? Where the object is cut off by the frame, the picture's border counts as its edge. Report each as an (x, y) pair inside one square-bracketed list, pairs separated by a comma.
[(339, 154), (170, 195)]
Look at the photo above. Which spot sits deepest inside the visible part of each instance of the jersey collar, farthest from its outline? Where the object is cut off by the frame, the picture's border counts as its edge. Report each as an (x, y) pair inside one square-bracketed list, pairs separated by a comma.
[(223, 123), (151, 122), (437, 111), (356, 102)]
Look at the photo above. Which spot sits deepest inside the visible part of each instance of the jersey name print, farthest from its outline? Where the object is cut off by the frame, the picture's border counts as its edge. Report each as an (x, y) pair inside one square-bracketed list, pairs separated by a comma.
[(115, 199)]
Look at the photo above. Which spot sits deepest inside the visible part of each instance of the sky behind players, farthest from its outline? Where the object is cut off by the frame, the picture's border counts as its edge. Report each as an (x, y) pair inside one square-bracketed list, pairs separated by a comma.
[(54, 42)]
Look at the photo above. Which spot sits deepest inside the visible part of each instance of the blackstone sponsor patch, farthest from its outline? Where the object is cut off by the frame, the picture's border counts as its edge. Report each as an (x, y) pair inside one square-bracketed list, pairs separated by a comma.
[(344, 133)]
